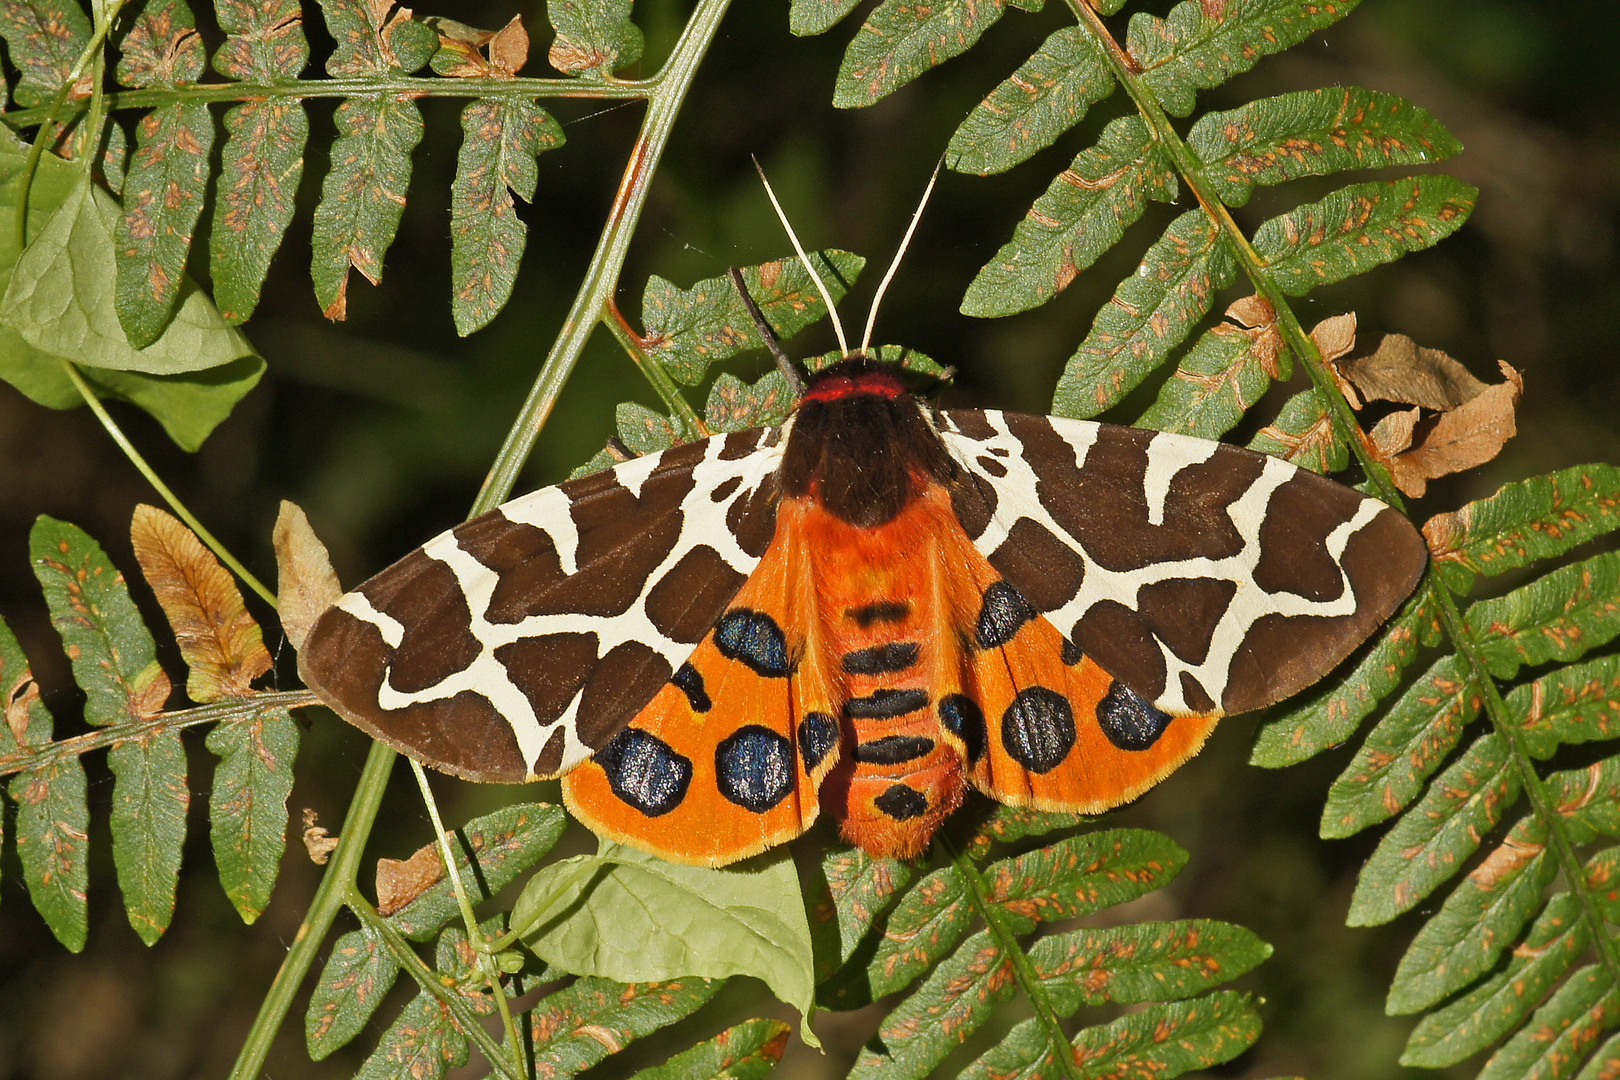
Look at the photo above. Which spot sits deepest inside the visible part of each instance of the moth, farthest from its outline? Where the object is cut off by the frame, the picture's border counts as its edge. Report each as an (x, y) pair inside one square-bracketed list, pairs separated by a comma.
[(865, 611)]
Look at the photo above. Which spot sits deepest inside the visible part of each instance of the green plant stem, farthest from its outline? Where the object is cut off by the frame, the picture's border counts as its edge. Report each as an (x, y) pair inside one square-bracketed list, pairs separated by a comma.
[(432, 983), (669, 91), (995, 921), (206, 93), (655, 373), (160, 487), (220, 712), (330, 896), (475, 935)]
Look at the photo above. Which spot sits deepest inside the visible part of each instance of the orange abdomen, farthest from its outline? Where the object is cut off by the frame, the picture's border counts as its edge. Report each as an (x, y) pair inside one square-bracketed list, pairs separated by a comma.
[(889, 651)]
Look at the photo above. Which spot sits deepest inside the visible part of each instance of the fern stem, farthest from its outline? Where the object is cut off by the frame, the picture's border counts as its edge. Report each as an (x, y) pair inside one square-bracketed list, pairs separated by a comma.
[(160, 487), (654, 373), (329, 899), (995, 920), (475, 936), (1462, 635), (432, 983), (220, 712), (602, 277), (1255, 267), (207, 93)]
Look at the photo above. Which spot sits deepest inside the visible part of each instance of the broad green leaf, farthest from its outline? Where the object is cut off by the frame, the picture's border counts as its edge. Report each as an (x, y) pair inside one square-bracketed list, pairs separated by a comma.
[(686, 330), (1569, 705), (1046, 96), (901, 40), (1202, 44), (808, 17), (506, 842), (745, 1051), (1483, 916), (846, 898), (265, 41), (1314, 133), (114, 658), (53, 818), (44, 39), (1428, 845), (644, 431), (375, 37), (578, 1026), (1158, 1041), (1151, 313), (1361, 226), (426, 1040), (927, 923), (1402, 750), (61, 299), (501, 139), (1217, 381), (150, 800), (363, 195), (1525, 521), (956, 998), (189, 405), (1083, 874), (260, 170), (1083, 213), (1331, 714), (594, 39), (359, 971), (247, 805), (1557, 617), (632, 917), (1560, 1033), (1303, 434), (1157, 961), (1495, 1007)]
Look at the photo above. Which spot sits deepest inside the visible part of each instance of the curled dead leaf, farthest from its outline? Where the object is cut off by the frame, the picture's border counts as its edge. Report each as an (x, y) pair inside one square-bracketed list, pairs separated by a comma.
[(220, 641), (1462, 438), (307, 584), (399, 881), (1400, 370), (316, 841)]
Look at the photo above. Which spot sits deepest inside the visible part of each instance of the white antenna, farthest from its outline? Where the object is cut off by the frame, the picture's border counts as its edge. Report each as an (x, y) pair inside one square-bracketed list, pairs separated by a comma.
[(905, 242), (838, 325)]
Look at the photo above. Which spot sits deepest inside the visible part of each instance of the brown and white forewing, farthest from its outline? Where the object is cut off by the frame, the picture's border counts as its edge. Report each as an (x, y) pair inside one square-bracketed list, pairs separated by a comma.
[(517, 644), (1205, 577)]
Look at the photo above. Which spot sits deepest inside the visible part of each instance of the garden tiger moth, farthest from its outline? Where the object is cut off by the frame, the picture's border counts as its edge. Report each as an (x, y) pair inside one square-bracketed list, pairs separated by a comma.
[(867, 610)]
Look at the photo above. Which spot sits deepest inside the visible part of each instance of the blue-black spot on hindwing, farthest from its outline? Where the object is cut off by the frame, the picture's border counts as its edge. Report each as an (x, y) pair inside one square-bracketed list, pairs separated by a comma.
[(1130, 722), (963, 718), (689, 680), (753, 767), (1038, 729), (901, 802), (645, 771), (1002, 615), (753, 638), (893, 749), (1071, 654), (817, 734)]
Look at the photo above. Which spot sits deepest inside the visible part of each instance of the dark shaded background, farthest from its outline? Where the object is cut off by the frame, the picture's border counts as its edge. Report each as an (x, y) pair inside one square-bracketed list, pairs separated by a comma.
[(382, 427)]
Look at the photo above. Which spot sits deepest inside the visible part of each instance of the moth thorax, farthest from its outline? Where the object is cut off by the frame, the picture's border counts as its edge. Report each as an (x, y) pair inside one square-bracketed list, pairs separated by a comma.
[(861, 445)]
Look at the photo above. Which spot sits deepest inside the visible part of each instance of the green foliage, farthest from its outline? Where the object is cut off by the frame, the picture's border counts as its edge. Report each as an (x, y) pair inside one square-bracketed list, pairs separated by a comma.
[(98, 287)]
